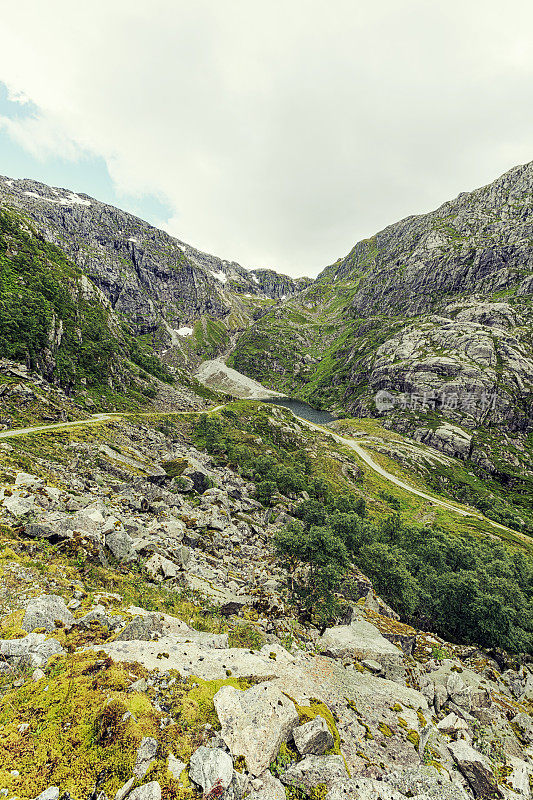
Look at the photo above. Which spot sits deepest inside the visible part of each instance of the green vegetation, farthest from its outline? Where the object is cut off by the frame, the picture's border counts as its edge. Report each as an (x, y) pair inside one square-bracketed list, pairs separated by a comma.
[(43, 307), (461, 587), (464, 587)]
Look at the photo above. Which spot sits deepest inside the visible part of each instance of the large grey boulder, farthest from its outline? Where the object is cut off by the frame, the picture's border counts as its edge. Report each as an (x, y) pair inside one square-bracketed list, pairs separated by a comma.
[(476, 769), (146, 753), (313, 738), (255, 723), (150, 791), (210, 767), (313, 771), (34, 650), (24, 480), (160, 568), (270, 788), (362, 641), (524, 723), (121, 546), (141, 628), (42, 612), (362, 789), (52, 793)]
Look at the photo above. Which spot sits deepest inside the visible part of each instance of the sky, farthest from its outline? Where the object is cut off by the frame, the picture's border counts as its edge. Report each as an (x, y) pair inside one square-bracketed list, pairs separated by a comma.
[(271, 133)]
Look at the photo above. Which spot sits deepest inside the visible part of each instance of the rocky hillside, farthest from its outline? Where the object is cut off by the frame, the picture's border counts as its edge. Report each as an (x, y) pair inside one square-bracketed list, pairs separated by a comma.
[(153, 648), (427, 325), (184, 301)]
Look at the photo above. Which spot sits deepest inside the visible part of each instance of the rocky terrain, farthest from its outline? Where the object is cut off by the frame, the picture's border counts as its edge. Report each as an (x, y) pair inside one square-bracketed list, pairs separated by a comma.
[(148, 648)]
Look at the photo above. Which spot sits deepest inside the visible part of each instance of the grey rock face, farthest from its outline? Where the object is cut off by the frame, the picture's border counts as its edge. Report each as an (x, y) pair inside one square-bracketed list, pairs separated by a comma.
[(362, 640), (255, 723), (314, 770), (271, 788), (52, 793), (210, 767), (34, 650), (42, 612), (141, 629), (150, 791), (121, 545), (313, 738), (145, 755), (476, 770)]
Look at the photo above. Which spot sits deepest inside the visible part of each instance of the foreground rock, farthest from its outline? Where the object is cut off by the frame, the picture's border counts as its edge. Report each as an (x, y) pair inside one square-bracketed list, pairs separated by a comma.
[(255, 723), (46, 612)]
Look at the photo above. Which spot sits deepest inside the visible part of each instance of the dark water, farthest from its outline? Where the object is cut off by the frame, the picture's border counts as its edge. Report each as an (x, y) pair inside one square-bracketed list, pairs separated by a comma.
[(303, 410)]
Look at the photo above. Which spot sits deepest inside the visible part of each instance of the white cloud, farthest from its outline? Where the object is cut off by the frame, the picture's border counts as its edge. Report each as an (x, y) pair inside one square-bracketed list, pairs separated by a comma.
[(279, 132)]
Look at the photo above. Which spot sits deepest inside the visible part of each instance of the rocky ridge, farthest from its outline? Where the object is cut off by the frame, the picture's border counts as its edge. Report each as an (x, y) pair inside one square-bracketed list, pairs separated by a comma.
[(370, 708)]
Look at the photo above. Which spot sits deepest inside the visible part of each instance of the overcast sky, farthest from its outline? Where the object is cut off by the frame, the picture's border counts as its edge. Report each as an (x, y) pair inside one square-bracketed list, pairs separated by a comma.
[(273, 133)]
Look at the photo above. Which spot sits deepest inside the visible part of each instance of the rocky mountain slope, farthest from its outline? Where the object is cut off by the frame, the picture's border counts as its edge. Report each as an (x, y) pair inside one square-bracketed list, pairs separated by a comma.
[(151, 649), (184, 301), (427, 325)]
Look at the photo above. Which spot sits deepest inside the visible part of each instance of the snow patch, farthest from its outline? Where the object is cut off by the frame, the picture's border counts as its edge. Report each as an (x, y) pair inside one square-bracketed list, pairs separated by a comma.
[(132, 239), (220, 276), (283, 297), (72, 199), (9, 183), (184, 331), (255, 278)]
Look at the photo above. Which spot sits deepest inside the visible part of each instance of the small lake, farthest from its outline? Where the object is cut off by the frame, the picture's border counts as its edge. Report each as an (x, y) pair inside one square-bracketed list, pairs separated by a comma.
[(303, 410)]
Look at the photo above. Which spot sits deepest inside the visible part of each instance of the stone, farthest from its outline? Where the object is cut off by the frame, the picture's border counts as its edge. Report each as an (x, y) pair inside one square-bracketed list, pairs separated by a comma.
[(361, 640), (255, 723), (43, 611), (37, 674), (150, 791), (175, 766), (313, 771), (34, 650), (362, 789), (452, 724), (52, 793), (313, 738), (124, 790), (161, 568), (121, 546), (267, 787), (146, 753), (19, 506), (141, 629), (476, 769), (210, 767), (524, 723), (26, 481)]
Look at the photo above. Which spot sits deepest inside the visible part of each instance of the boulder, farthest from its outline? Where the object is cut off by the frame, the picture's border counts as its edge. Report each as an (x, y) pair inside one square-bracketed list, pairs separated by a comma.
[(34, 650), (43, 611), (313, 738), (360, 640), (161, 568), (175, 766), (255, 723), (121, 546), (267, 787), (210, 767), (524, 723), (146, 753), (26, 481), (314, 771), (150, 791), (52, 793), (477, 771), (142, 628)]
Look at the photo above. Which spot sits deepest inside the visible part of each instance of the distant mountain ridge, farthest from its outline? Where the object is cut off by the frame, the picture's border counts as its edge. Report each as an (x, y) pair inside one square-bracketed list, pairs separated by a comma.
[(156, 283)]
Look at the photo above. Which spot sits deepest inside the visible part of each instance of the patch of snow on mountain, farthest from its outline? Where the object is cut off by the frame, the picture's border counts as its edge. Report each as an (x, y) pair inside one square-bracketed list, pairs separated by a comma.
[(220, 276), (184, 331)]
